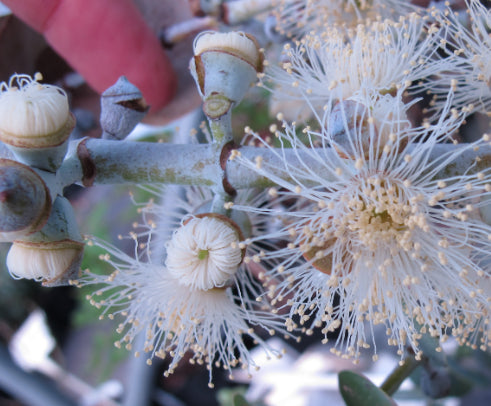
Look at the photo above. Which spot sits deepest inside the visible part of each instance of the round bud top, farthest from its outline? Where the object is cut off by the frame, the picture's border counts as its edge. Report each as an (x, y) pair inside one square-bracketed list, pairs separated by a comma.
[(25, 202), (204, 252), (45, 261), (33, 115), (237, 44)]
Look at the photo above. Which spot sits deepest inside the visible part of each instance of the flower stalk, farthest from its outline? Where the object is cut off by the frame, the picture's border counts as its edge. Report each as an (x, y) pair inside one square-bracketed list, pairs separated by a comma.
[(399, 375)]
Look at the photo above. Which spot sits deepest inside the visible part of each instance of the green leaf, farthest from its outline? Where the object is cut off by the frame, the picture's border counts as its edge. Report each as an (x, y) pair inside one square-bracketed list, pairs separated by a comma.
[(357, 390), (232, 396), (240, 400)]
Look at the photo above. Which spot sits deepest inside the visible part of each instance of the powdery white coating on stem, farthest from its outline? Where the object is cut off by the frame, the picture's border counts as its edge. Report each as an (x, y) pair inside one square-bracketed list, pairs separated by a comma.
[(382, 241), (204, 253), (382, 56), (28, 108)]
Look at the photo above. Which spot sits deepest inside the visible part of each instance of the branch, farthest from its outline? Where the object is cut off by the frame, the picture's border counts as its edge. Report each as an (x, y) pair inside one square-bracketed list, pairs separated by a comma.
[(95, 161)]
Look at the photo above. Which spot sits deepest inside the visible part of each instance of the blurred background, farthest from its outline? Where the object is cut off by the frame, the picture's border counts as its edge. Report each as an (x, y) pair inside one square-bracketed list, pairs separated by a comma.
[(53, 348)]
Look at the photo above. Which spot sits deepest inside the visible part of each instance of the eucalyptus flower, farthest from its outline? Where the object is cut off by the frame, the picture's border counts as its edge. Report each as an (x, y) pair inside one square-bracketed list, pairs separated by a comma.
[(200, 298), (298, 17), (336, 63), (380, 236), (32, 113), (35, 121), (466, 59)]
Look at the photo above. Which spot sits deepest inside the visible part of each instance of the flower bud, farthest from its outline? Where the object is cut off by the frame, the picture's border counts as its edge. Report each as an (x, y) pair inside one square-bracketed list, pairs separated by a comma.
[(204, 252), (53, 254), (25, 201), (224, 67), (122, 108), (35, 121)]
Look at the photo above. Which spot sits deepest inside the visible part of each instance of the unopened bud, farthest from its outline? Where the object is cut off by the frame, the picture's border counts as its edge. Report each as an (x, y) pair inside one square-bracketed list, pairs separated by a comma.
[(122, 108), (238, 11), (210, 7)]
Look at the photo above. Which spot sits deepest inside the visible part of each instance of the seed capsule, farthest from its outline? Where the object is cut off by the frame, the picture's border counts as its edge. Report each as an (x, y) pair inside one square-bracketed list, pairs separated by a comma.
[(25, 202)]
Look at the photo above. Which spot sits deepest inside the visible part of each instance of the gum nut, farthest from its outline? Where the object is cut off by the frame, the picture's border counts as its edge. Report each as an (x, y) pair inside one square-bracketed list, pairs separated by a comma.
[(25, 202)]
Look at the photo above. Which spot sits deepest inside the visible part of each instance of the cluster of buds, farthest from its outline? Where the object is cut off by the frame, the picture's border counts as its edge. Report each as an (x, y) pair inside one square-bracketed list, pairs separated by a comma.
[(35, 124)]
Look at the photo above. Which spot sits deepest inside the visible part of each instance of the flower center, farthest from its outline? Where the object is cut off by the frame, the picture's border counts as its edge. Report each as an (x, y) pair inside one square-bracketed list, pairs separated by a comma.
[(203, 254), (377, 214)]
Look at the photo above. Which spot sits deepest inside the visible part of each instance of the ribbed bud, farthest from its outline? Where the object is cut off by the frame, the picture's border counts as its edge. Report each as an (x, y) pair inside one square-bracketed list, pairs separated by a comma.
[(25, 202), (53, 254), (35, 121), (224, 67)]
